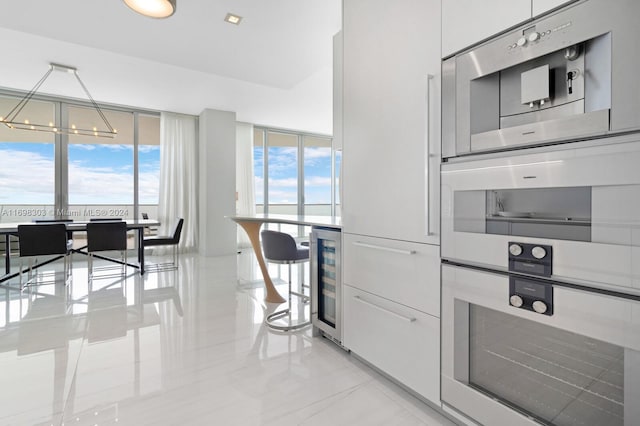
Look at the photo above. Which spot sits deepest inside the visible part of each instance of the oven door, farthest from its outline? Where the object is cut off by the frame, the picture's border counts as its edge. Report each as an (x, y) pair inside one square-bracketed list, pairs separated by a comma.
[(503, 365), (583, 202)]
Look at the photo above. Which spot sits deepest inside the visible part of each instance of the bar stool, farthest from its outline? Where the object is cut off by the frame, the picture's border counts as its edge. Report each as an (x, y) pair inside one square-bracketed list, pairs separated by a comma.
[(279, 247)]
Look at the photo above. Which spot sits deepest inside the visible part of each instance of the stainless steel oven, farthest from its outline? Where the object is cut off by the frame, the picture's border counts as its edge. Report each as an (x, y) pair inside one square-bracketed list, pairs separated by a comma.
[(565, 76), (581, 200), (518, 350)]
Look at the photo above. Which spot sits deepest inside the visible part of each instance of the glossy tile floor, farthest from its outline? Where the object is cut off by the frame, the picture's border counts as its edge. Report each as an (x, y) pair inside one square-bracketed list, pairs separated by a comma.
[(184, 347)]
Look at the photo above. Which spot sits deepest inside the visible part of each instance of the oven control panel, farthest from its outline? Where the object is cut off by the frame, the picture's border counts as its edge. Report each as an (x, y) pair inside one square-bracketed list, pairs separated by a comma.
[(533, 259), (532, 295)]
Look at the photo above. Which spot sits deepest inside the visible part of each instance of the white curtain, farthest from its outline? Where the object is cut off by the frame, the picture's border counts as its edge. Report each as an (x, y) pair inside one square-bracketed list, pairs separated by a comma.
[(245, 196), (178, 176)]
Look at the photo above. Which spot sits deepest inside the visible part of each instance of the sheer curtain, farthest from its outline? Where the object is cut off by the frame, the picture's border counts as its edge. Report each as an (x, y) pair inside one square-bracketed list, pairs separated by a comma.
[(245, 195), (178, 176)]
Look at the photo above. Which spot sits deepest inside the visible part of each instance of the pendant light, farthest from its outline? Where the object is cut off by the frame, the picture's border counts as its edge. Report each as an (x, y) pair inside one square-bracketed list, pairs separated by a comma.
[(153, 8), (13, 121)]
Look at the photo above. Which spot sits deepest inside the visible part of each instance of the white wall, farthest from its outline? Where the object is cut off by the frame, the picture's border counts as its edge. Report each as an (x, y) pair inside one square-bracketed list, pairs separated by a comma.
[(217, 183), (125, 80)]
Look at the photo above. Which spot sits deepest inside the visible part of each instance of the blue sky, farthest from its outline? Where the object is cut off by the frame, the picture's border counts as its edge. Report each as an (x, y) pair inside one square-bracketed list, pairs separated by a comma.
[(283, 175), (98, 174)]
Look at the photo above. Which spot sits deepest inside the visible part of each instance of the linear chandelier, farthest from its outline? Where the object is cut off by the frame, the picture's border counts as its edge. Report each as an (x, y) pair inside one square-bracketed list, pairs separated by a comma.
[(12, 122), (153, 8)]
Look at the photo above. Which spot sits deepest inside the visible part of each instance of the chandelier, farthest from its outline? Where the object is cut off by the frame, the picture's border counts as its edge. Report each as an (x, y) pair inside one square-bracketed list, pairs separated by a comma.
[(11, 120)]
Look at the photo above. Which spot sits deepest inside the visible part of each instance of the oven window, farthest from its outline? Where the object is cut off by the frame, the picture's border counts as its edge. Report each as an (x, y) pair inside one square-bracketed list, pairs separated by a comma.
[(555, 376), (556, 213)]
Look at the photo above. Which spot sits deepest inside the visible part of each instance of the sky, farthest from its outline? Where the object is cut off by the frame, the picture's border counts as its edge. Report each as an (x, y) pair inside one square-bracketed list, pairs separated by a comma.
[(28, 172), (98, 174), (283, 175)]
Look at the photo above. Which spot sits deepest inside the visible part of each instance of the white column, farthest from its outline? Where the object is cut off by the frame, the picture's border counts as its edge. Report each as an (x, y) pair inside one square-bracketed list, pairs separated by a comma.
[(217, 183)]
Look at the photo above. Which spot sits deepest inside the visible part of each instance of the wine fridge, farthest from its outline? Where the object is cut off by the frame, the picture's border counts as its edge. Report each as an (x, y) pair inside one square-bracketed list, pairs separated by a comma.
[(326, 282)]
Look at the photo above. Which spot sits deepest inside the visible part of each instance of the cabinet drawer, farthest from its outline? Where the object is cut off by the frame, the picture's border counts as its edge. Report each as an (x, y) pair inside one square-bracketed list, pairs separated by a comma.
[(407, 273), (398, 340)]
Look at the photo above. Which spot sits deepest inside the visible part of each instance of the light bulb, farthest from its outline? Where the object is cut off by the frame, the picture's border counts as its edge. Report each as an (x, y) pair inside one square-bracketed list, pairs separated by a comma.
[(51, 124), (26, 121), (94, 129), (55, 129), (73, 126), (33, 128), (75, 131)]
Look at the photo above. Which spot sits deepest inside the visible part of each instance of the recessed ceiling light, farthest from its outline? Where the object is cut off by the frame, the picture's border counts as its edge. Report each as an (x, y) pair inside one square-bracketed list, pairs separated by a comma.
[(233, 19), (153, 8)]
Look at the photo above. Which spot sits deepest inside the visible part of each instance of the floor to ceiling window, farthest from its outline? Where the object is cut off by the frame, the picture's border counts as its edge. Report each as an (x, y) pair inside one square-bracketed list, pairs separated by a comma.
[(28, 171), (300, 171), (47, 175)]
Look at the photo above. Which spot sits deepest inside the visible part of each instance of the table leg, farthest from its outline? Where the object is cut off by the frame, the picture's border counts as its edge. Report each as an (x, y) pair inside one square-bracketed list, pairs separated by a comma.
[(7, 253), (252, 228), (141, 249)]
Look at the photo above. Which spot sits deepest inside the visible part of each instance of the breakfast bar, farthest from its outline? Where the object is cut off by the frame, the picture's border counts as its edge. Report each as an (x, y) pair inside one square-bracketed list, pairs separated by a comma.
[(252, 225)]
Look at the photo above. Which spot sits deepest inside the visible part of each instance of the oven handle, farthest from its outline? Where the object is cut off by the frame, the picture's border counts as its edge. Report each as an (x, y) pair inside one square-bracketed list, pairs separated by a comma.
[(383, 248), (380, 308), (427, 157)]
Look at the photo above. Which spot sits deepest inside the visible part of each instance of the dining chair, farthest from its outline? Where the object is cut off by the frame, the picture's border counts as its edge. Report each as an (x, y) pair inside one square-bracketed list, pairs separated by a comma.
[(173, 239), (107, 236), (44, 239), (280, 247)]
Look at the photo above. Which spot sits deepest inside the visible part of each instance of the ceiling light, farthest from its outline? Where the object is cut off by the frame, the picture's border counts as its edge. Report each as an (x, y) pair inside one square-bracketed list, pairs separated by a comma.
[(12, 122), (233, 19), (153, 8)]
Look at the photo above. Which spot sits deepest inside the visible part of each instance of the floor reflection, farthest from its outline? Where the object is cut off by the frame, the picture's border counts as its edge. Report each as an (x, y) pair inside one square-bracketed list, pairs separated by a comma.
[(176, 347)]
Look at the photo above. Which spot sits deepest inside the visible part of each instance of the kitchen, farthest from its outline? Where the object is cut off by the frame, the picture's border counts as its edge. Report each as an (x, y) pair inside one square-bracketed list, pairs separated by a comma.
[(484, 268), (515, 261)]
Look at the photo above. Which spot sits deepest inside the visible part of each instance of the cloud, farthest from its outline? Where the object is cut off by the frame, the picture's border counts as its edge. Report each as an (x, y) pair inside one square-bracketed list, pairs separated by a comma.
[(317, 181), (28, 178)]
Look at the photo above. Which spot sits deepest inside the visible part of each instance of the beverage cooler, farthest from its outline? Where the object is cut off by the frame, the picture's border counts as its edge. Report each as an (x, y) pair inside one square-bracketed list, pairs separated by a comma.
[(326, 282)]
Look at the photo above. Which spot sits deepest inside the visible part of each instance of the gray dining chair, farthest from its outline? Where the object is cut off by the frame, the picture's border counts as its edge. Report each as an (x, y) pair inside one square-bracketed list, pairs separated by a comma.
[(49, 240), (107, 236), (280, 247)]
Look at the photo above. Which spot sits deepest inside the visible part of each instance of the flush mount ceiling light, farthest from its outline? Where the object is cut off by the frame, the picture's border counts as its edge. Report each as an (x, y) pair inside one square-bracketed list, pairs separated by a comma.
[(153, 8), (233, 19), (12, 121)]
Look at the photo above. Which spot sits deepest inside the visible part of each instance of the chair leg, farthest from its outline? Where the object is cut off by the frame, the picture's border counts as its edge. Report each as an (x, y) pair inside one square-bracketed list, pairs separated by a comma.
[(287, 312)]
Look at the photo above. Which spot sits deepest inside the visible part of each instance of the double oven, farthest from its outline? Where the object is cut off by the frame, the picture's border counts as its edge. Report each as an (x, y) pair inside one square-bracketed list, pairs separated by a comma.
[(541, 223)]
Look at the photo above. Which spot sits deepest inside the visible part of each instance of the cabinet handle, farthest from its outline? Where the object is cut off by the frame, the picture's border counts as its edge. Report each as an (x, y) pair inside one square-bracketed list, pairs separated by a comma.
[(383, 248), (427, 158), (380, 308)]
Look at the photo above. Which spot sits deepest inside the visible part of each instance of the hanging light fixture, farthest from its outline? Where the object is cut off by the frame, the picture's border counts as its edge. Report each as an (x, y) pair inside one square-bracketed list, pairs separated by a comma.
[(153, 8), (11, 120)]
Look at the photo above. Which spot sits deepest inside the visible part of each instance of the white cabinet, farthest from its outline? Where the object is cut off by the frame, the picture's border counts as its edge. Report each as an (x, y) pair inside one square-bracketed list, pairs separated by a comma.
[(466, 22), (391, 116), (391, 187), (408, 273), (541, 6), (400, 341)]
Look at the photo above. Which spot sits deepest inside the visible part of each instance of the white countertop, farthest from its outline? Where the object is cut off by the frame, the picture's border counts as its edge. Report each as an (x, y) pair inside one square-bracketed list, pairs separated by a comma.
[(306, 220)]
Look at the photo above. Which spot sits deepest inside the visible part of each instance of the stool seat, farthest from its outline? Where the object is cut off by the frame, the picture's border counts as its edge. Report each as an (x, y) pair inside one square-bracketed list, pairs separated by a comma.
[(279, 247)]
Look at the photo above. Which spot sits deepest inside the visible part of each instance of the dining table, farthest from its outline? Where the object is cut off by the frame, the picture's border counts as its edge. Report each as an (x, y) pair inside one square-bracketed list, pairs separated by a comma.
[(137, 225)]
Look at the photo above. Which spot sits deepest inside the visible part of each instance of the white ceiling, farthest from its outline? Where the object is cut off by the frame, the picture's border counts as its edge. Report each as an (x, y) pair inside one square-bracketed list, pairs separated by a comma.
[(280, 54)]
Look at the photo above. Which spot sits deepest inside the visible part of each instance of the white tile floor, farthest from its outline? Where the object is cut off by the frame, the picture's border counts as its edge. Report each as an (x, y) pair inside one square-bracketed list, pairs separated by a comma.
[(179, 348)]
